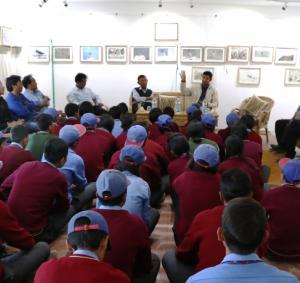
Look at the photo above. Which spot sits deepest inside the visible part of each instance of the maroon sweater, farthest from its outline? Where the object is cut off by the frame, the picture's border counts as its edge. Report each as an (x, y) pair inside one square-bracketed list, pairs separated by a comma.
[(224, 133), (210, 135), (37, 189), (79, 269), (120, 140), (177, 166), (130, 246), (153, 131), (253, 150), (255, 137)]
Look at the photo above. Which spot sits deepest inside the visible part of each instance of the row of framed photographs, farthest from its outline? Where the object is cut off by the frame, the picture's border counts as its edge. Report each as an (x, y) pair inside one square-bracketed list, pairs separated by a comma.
[(249, 76), (167, 54)]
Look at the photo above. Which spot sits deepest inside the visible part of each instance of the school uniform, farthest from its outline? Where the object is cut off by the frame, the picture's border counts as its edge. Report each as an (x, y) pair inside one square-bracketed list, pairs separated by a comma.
[(68, 121), (224, 133), (177, 166), (108, 144), (254, 137), (218, 140), (162, 140), (254, 151), (154, 132), (174, 127), (121, 139), (81, 267), (195, 192), (282, 205)]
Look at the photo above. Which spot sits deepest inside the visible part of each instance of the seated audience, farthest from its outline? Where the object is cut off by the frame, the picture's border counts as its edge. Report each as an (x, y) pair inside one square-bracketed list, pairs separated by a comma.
[(115, 112), (85, 107), (194, 113), (170, 111), (126, 121), (153, 128), (253, 136), (124, 108), (231, 120), (244, 225), (88, 242)]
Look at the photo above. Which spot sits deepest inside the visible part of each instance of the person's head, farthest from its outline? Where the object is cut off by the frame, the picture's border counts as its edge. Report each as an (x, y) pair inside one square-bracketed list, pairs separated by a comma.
[(235, 183), (80, 80), (136, 135), (178, 144), (69, 134), (290, 169), (56, 152), (142, 81), (248, 120), (107, 122), (1, 88), (126, 120), (206, 78), (115, 112), (169, 111), (191, 109), (85, 107), (52, 112), (88, 230), (195, 130), (154, 114), (14, 84), (234, 146), (124, 108), (98, 110), (244, 224), (72, 110), (45, 122), (232, 119), (209, 121), (111, 187), (164, 122), (19, 134), (240, 130), (89, 120), (29, 82)]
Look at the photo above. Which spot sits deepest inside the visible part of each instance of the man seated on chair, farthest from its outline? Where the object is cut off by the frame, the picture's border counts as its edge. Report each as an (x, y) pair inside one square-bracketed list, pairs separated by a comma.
[(141, 95)]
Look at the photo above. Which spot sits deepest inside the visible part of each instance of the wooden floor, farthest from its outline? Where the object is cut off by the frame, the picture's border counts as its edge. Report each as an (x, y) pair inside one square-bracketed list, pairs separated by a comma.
[(162, 236)]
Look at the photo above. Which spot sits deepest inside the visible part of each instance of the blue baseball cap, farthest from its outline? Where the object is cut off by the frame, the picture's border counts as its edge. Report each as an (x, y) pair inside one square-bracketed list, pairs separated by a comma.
[(232, 118), (69, 134), (290, 169), (209, 119), (207, 153), (97, 222), (88, 119), (164, 120), (136, 135), (192, 108), (134, 152), (51, 111), (112, 181)]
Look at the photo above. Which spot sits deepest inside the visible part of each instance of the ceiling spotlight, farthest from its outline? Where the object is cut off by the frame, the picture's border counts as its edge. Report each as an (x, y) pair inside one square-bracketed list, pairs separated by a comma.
[(65, 3), (160, 4), (42, 3), (284, 7)]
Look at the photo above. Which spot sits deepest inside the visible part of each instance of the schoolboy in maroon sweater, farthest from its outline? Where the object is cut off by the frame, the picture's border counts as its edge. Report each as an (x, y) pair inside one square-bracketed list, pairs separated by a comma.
[(38, 193), (126, 120), (249, 121), (88, 238), (170, 111), (231, 119), (282, 205), (130, 246), (153, 128), (197, 189), (14, 155)]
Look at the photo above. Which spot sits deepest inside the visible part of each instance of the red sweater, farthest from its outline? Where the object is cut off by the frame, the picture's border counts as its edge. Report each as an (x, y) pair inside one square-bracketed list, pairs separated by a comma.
[(162, 140), (130, 246), (69, 121), (196, 191), (255, 137), (153, 131), (12, 157), (224, 133), (253, 150), (253, 171), (37, 189), (120, 140), (12, 233), (201, 241), (177, 166), (79, 269), (218, 140), (282, 205)]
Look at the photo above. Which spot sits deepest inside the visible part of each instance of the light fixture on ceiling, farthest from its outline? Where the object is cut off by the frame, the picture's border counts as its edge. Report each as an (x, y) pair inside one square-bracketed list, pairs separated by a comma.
[(65, 3), (42, 3), (160, 4), (192, 4)]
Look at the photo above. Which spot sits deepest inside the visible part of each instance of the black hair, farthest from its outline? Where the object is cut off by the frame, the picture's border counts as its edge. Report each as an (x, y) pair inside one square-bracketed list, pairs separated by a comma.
[(79, 77), (85, 107), (90, 239), (11, 81), (235, 183), (44, 121), (141, 77), (126, 120), (208, 73), (240, 129), (154, 114), (107, 122), (111, 201), (128, 165), (244, 222), (55, 150), (248, 120), (178, 144), (27, 80), (115, 112), (98, 110), (124, 108), (195, 116), (195, 130), (71, 109), (169, 111), (143, 124), (192, 164), (18, 133)]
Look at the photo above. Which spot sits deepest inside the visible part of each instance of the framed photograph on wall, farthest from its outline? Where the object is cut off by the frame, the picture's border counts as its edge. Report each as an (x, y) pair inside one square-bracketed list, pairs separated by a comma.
[(249, 76), (292, 77), (166, 31), (262, 54), (62, 54), (238, 54), (286, 56), (214, 54), (165, 54), (191, 54), (6, 36), (38, 54), (91, 54), (197, 73), (141, 54), (116, 54)]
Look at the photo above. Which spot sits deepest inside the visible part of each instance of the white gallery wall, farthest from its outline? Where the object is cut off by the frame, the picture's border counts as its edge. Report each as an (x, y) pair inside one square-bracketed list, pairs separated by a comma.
[(89, 24)]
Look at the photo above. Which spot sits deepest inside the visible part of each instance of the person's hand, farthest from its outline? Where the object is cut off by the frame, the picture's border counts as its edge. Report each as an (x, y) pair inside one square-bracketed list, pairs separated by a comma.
[(15, 123), (183, 76)]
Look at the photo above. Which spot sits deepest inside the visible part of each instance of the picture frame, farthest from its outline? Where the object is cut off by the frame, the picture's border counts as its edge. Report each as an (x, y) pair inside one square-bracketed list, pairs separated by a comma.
[(6, 36), (165, 54), (261, 54), (38, 54), (91, 54), (249, 76), (141, 54), (292, 77), (191, 54), (62, 53), (214, 54), (197, 73), (166, 31), (285, 56), (116, 54), (238, 54)]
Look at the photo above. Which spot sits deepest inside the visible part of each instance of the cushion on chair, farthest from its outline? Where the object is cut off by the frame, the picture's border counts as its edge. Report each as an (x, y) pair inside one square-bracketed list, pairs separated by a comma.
[(165, 100), (254, 106)]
